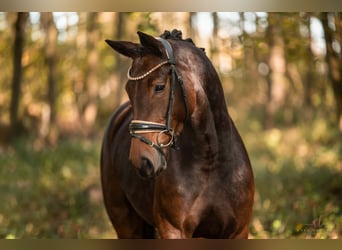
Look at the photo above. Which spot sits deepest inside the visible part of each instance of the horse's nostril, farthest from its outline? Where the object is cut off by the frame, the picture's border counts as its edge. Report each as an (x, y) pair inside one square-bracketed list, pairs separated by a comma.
[(159, 171), (146, 168), (147, 164)]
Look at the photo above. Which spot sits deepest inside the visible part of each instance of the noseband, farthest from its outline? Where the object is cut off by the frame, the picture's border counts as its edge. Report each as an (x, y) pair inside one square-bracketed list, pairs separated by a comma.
[(139, 127)]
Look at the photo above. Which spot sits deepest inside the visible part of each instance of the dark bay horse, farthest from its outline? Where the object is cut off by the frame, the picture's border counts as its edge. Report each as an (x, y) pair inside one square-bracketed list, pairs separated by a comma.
[(173, 164)]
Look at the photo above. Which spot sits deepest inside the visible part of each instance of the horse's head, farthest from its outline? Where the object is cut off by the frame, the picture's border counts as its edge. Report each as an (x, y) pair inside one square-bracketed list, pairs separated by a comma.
[(159, 101)]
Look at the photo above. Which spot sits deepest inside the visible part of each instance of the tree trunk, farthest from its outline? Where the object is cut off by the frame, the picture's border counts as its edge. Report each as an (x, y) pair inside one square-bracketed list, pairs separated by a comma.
[(91, 79), (192, 30), (50, 29), (19, 42), (120, 65), (308, 82), (277, 65), (334, 58), (214, 43)]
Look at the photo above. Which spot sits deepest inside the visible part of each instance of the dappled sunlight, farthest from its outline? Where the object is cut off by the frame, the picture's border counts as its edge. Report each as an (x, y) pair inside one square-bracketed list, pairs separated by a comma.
[(60, 197), (278, 72), (298, 179)]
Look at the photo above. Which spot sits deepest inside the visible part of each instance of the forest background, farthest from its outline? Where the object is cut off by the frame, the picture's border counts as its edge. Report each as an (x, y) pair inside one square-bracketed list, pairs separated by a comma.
[(60, 82)]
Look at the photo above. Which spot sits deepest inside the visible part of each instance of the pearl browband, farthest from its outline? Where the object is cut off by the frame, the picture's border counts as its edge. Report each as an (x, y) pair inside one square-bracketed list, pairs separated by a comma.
[(136, 78)]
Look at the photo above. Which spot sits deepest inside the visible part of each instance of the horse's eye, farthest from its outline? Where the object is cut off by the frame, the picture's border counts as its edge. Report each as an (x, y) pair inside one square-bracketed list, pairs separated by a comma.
[(159, 87)]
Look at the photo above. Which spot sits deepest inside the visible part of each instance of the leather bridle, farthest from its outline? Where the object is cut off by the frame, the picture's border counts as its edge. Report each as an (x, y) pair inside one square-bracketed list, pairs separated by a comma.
[(139, 127)]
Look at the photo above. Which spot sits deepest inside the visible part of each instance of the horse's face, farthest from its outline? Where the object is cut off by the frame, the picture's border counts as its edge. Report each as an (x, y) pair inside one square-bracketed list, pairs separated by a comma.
[(149, 96)]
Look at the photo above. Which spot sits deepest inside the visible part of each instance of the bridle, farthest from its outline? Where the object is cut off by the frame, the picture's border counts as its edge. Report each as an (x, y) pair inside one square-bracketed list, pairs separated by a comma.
[(139, 127)]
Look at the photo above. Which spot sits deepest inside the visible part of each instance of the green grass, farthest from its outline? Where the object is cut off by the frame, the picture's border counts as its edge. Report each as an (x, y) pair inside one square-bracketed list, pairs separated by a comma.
[(55, 192), (52, 192), (298, 173)]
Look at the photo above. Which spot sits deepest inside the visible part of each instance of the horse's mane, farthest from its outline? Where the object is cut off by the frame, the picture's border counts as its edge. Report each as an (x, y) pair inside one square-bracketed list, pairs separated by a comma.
[(177, 35)]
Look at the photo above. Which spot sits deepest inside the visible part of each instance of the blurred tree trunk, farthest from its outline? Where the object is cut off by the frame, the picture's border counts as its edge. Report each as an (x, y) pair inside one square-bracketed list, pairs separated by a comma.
[(192, 30), (91, 79), (49, 113), (120, 67), (249, 51), (270, 33), (277, 66), (309, 58), (18, 48), (300, 77), (333, 38), (214, 42)]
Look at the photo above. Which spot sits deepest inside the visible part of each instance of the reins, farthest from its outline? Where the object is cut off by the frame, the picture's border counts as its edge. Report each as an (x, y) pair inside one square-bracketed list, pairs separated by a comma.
[(139, 127)]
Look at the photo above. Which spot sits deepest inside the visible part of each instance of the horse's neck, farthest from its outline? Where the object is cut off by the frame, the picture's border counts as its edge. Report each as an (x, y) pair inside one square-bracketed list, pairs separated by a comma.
[(214, 92), (210, 127)]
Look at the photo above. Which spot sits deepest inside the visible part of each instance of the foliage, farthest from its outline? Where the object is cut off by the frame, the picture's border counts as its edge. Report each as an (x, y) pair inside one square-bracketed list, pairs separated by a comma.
[(52, 192), (285, 112), (298, 172)]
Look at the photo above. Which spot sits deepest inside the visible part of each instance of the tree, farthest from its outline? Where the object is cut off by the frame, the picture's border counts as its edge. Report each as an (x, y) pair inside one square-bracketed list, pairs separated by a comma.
[(277, 66), (332, 25), (18, 48), (309, 58), (50, 45), (214, 42), (91, 78), (120, 66)]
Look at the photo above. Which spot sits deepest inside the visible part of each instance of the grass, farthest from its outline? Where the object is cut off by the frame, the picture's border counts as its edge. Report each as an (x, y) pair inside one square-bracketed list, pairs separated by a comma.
[(298, 173), (55, 192), (52, 192)]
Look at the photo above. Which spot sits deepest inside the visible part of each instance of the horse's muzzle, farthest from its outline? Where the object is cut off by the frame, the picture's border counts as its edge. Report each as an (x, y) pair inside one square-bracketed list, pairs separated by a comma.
[(146, 169), (150, 169)]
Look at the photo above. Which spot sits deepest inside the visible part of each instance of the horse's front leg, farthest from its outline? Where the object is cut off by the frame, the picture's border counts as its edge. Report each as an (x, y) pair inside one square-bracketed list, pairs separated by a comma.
[(175, 224), (173, 217), (168, 231)]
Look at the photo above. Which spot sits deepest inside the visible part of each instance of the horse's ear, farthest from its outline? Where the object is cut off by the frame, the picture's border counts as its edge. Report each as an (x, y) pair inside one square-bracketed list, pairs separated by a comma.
[(128, 49), (150, 44)]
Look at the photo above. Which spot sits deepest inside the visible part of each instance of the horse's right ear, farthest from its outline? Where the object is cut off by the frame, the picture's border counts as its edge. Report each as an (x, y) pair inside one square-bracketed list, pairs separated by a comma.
[(128, 49)]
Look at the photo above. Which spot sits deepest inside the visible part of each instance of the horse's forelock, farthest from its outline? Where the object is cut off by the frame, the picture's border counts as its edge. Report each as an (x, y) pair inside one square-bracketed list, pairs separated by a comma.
[(177, 35)]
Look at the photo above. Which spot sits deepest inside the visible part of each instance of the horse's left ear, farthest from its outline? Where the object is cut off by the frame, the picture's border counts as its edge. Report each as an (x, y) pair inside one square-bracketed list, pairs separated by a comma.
[(151, 44), (128, 49)]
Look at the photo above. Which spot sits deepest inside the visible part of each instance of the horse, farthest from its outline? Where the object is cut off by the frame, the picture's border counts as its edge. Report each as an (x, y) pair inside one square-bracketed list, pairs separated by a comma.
[(173, 165)]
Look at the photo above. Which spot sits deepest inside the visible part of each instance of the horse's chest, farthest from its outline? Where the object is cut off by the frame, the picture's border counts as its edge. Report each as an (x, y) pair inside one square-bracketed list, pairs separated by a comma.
[(195, 206), (193, 196)]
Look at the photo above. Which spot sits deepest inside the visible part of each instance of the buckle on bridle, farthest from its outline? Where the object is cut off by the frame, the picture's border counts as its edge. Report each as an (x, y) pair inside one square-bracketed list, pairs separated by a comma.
[(170, 134), (138, 127)]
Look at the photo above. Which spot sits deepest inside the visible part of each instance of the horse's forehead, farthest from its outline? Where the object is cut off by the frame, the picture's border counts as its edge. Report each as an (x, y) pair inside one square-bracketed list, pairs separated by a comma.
[(144, 63)]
